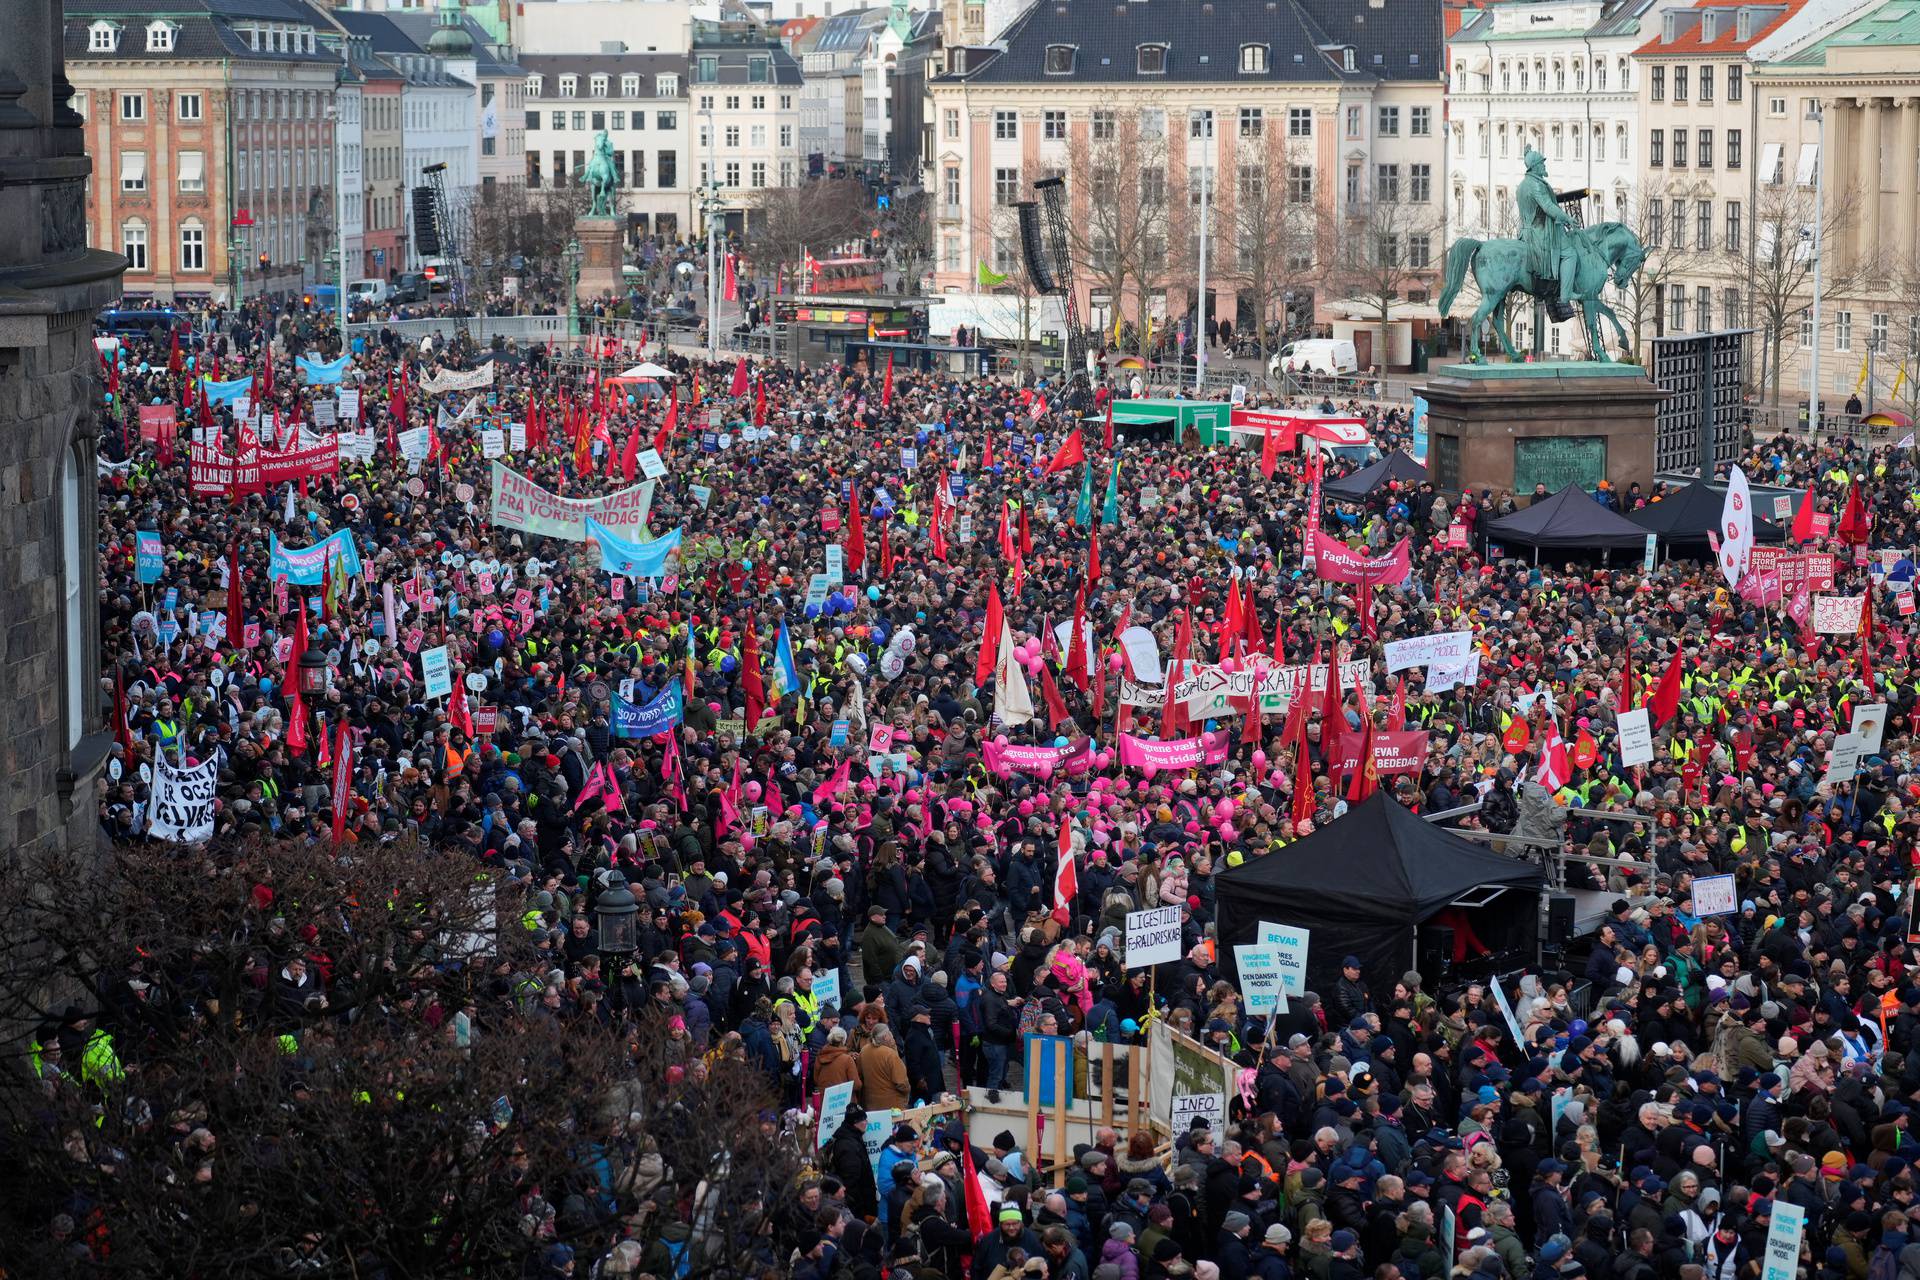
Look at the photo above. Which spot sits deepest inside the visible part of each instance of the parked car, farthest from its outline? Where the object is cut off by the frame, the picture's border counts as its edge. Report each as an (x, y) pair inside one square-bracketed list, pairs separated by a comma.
[(409, 286), (370, 292), (1315, 355)]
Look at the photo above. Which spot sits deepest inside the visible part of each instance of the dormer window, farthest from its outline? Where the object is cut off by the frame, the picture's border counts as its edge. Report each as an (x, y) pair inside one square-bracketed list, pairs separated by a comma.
[(1253, 58), (1060, 59), (629, 86), (160, 37), (666, 86), (102, 37), (569, 86), (1151, 59), (597, 86), (1348, 61), (533, 86)]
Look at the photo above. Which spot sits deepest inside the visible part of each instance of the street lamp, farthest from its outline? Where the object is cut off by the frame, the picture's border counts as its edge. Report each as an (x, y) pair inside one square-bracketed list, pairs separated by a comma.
[(571, 255), (713, 246), (313, 671), (618, 916)]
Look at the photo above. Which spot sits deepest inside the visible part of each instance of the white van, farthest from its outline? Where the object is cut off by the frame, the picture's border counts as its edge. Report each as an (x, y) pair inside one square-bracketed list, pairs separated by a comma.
[(1315, 355), (371, 292)]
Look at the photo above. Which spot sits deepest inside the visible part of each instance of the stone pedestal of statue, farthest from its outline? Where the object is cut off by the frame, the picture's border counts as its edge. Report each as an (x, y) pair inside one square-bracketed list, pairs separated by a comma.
[(601, 258), (1512, 426)]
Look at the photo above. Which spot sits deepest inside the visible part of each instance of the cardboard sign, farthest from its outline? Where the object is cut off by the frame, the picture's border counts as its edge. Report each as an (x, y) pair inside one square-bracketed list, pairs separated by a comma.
[(1836, 615), (1845, 760), (436, 671), (1636, 737), (1153, 937), (1782, 1261), (1259, 968), (650, 464), (1715, 896), (1289, 942)]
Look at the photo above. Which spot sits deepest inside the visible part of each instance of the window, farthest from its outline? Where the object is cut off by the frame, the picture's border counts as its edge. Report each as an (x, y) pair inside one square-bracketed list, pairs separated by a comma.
[(1706, 84), (1702, 309), (192, 170), (1733, 226), (1703, 225), (160, 37), (1151, 59), (1059, 60), (1806, 332), (1386, 185), (951, 184), (1355, 122), (1153, 123), (133, 106), (786, 101), (1006, 186), (666, 86), (599, 121), (1735, 87), (1200, 123), (1657, 147), (597, 84), (1420, 183), (620, 120), (758, 69), (758, 174), (629, 85), (1600, 75), (730, 136), (1776, 106), (668, 169), (533, 86), (1006, 125), (133, 244), (569, 85), (193, 246), (1599, 142), (757, 136), (732, 171), (579, 120), (1843, 331), (133, 171), (1420, 122), (1676, 308), (1103, 126), (1299, 122), (1656, 221), (666, 119), (1657, 87), (1300, 184), (1389, 122), (1253, 58), (1053, 125), (1679, 84), (1559, 143), (101, 37), (1386, 249), (1733, 149), (190, 106), (1877, 333), (707, 69), (533, 121), (1419, 250), (786, 135), (1703, 151), (1506, 78), (1679, 148), (1252, 122), (533, 171), (1252, 184), (1730, 308)]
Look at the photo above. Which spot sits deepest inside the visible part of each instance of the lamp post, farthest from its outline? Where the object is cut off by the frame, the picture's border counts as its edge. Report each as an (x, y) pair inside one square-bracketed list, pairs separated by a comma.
[(1819, 214), (571, 254), (617, 915), (713, 246), (313, 671)]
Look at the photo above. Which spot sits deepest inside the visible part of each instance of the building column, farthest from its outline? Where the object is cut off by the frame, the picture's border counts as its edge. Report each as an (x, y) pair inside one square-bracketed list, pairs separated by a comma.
[(1906, 164), (1837, 163), (1867, 180)]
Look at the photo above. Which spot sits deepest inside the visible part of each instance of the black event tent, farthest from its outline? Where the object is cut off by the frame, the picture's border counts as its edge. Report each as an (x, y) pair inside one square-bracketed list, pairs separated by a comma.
[(1683, 519), (1362, 883), (1570, 518), (1362, 483)]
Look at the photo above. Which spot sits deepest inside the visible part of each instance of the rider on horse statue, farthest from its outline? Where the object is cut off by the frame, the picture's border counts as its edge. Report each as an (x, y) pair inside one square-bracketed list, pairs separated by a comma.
[(1546, 229)]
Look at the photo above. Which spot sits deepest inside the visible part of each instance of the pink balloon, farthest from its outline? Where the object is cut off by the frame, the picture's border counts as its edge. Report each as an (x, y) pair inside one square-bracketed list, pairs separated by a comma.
[(1116, 661), (1259, 759), (1033, 666), (748, 840), (1104, 757), (1226, 831), (1000, 741), (1229, 664), (1150, 770), (1223, 812)]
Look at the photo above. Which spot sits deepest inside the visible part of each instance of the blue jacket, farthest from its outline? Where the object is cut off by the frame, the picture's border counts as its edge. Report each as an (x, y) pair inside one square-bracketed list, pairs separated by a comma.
[(890, 1156)]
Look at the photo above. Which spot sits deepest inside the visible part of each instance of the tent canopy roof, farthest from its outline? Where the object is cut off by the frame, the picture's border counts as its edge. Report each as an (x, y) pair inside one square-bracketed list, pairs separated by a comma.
[(1570, 518), (1688, 515), (1395, 466)]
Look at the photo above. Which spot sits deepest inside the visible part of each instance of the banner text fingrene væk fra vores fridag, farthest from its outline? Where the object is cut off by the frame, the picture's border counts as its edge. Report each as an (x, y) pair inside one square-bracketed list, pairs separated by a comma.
[(519, 503)]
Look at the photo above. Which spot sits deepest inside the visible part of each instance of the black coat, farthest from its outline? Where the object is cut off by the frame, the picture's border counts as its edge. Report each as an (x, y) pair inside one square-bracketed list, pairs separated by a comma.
[(848, 1160)]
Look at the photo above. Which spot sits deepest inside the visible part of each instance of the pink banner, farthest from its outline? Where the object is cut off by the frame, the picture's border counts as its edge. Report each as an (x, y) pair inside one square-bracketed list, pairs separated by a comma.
[(1039, 761), (297, 464), (1175, 753), (1761, 588), (1335, 563)]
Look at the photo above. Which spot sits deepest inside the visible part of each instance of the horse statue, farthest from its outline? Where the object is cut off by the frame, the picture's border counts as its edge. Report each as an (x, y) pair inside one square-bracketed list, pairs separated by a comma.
[(600, 177), (1606, 250)]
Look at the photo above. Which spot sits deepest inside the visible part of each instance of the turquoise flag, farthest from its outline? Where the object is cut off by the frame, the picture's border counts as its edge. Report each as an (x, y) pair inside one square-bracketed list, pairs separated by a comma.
[(1083, 513), (1110, 509)]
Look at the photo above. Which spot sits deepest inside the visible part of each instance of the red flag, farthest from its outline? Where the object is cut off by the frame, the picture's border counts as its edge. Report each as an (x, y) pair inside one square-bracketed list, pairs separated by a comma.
[(1026, 535), (1303, 795), (1366, 777), (986, 450), (297, 716), (236, 596), (1854, 524), (630, 456), (1555, 771), (1071, 454), (856, 540), (1172, 717), (750, 681), (1066, 874), (1866, 639), (759, 402), (1803, 518), (1076, 666), (1106, 440), (457, 714), (1050, 693), (664, 437), (1008, 551), (342, 783), (121, 733), (1629, 690), (1665, 703), (1331, 700), (979, 1218), (1093, 555), (175, 361), (733, 284), (886, 388), (886, 556), (739, 387), (1230, 619), (939, 529), (1397, 713), (1269, 452), (990, 641)]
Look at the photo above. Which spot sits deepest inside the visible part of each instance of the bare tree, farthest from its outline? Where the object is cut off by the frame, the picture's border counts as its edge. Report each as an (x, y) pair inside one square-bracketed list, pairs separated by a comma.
[(1384, 247), (1661, 214), (787, 223), (1119, 234), (1270, 231), (907, 232), (1780, 272)]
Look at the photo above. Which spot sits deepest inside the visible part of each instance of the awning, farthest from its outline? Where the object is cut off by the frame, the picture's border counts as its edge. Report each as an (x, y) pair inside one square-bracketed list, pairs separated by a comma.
[(1482, 66), (133, 168), (1398, 311), (1291, 426), (1770, 157), (648, 372), (193, 169), (1809, 165)]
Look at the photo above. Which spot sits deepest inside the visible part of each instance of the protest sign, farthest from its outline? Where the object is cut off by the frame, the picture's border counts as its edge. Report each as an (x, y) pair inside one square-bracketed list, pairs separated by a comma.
[(632, 559), (834, 1101), (1444, 675), (519, 503), (1153, 937), (1289, 942), (149, 555), (1788, 1225), (182, 808), (650, 464), (1714, 896), (1845, 760), (660, 713), (826, 990), (1334, 562), (458, 380), (1836, 615), (1423, 650), (436, 671), (1636, 737), (1188, 1107), (1870, 725), (306, 566), (1259, 968), (493, 442)]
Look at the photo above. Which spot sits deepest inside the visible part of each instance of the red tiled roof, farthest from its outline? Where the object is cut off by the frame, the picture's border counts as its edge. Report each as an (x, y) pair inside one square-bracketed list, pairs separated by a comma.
[(1690, 41)]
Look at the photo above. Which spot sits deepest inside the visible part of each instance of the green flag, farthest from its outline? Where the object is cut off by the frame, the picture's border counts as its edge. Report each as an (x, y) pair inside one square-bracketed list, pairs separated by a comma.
[(1083, 513), (1110, 509), (990, 279)]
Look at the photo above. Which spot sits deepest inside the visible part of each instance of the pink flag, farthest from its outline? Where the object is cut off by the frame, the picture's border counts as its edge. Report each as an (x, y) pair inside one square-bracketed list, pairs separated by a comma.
[(833, 786), (594, 785)]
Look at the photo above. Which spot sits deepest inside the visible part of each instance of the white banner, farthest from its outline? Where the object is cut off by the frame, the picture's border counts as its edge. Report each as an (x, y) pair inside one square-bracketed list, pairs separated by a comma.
[(183, 801), (456, 380), (1442, 676), (1211, 692), (415, 444), (1143, 653), (1836, 615), (519, 503), (1153, 937), (1736, 528), (1419, 651)]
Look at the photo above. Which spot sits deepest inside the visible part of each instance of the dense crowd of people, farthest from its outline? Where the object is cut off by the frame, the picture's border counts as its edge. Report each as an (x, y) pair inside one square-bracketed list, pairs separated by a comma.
[(833, 804)]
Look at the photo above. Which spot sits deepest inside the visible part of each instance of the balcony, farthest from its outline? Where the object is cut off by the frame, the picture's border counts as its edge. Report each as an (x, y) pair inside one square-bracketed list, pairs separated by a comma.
[(950, 213)]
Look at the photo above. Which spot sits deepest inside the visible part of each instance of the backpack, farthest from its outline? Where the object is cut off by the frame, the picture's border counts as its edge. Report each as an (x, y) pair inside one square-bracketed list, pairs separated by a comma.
[(1884, 1265)]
